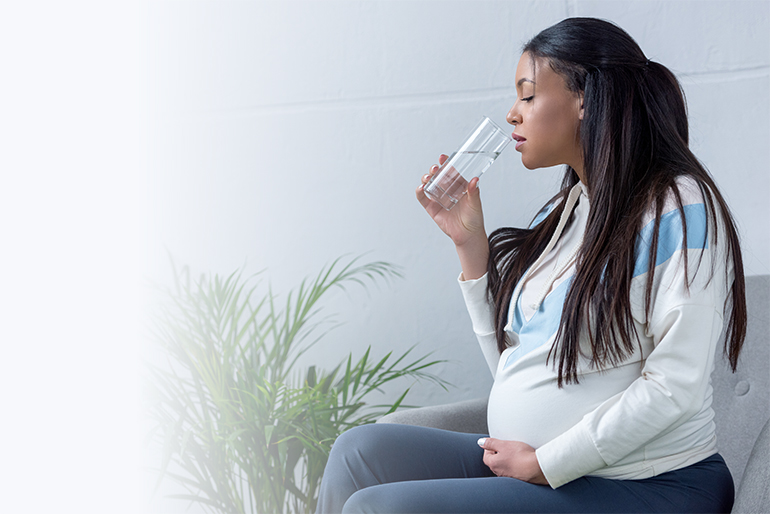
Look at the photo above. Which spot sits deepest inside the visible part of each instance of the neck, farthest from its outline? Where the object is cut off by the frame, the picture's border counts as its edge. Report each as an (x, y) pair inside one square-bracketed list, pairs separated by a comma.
[(580, 173)]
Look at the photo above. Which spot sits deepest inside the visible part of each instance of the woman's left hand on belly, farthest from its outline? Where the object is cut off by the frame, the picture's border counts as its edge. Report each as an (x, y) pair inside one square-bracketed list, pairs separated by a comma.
[(512, 459)]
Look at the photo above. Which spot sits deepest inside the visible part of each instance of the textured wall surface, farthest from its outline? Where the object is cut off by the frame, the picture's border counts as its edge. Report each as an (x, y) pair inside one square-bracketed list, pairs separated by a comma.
[(287, 134)]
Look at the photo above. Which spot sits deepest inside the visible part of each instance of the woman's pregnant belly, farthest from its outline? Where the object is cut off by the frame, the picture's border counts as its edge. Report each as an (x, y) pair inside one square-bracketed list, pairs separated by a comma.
[(527, 405)]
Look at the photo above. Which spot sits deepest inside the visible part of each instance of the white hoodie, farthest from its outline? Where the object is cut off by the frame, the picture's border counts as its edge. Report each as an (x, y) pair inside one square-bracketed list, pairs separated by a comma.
[(651, 413)]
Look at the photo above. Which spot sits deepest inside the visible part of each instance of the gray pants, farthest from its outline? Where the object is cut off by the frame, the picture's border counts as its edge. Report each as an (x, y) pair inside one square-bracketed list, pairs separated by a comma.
[(390, 468)]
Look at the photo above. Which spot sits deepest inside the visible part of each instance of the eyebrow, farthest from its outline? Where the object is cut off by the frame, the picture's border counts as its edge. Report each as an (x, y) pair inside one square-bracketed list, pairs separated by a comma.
[(521, 81)]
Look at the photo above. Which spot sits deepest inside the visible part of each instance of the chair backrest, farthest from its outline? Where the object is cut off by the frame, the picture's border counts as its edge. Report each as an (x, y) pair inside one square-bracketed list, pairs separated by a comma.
[(742, 399)]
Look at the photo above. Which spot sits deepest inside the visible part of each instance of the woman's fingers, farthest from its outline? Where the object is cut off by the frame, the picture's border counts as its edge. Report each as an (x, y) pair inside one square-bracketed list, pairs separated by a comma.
[(442, 158), (424, 200), (473, 185), (474, 196), (421, 195), (431, 207)]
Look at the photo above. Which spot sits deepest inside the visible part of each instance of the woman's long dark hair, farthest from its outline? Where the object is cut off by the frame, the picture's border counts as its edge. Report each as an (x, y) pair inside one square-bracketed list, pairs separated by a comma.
[(634, 138)]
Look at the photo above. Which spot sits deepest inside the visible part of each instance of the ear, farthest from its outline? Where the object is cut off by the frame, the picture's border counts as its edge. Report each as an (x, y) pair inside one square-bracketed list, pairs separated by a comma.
[(581, 109)]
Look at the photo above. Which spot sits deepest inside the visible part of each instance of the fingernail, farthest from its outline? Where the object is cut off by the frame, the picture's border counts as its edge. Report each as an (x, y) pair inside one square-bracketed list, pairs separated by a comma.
[(482, 441)]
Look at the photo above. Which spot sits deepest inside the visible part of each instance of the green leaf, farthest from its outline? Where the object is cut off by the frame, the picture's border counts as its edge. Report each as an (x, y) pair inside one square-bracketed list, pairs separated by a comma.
[(311, 377)]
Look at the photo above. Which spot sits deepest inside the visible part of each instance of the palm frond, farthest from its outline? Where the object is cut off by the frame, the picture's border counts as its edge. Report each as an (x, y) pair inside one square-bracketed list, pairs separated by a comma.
[(243, 430)]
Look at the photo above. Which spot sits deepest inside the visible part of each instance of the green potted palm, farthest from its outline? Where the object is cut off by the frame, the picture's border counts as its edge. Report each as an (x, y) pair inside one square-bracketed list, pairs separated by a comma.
[(241, 427)]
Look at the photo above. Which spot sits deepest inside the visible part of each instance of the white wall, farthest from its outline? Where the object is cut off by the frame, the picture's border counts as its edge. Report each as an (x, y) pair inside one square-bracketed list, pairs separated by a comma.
[(286, 134)]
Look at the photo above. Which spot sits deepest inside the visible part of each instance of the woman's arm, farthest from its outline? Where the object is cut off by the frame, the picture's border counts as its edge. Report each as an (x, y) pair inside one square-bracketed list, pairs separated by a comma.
[(464, 224), (482, 318)]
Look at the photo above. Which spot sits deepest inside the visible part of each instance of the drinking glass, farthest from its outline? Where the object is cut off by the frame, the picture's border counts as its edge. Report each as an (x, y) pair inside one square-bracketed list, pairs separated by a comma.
[(485, 142)]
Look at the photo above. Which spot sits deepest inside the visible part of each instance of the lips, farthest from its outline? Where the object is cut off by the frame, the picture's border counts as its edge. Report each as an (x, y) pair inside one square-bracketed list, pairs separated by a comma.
[(519, 140)]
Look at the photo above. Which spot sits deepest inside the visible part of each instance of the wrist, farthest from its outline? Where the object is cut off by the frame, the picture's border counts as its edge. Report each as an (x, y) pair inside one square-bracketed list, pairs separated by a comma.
[(536, 472), (476, 240), (474, 255)]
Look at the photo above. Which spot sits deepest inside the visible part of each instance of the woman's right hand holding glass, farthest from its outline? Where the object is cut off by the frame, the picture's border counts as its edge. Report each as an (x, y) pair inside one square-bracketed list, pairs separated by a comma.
[(464, 224)]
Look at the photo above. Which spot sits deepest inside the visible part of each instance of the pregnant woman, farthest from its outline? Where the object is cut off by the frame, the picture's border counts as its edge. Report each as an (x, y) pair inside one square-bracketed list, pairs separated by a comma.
[(599, 321)]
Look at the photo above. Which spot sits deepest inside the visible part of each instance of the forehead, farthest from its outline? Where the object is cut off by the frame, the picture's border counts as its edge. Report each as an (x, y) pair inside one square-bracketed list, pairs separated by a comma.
[(537, 70), (529, 68)]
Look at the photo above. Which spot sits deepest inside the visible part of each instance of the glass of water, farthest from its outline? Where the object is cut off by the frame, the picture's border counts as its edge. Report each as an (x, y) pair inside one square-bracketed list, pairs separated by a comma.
[(476, 154)]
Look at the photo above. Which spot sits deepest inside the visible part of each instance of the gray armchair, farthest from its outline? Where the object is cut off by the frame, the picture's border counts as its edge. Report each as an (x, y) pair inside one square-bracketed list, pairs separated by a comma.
[(741, 404)]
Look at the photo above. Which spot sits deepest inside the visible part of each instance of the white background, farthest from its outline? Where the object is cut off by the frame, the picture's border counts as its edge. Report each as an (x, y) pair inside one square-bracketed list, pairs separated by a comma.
[(280, 136)]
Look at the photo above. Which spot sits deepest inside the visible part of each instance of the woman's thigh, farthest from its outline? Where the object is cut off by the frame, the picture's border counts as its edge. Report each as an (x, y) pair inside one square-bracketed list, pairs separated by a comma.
[(371, 455), (393, 453)]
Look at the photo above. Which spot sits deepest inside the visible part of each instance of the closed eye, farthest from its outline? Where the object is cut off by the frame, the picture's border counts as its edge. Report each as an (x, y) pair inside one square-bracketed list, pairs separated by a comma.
[(527, 99)]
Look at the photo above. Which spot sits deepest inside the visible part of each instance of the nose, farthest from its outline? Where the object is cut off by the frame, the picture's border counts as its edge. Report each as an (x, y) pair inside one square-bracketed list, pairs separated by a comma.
[(513, 117)]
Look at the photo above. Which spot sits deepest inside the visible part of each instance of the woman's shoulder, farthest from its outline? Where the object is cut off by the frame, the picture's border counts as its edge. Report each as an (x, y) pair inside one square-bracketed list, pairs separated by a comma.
[(548, 208), (683, 223), (687, 194), (544, 212)]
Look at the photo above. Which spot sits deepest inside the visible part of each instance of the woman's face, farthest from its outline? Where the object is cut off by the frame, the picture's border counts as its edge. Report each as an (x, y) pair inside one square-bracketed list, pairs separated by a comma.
[(546, 116)]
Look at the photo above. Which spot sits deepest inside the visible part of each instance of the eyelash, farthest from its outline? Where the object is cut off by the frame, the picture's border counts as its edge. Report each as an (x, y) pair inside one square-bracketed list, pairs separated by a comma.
[(527, 99)]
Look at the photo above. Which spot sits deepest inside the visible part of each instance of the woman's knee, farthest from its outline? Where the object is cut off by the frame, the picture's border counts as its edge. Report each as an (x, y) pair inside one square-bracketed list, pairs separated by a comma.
[(359, 502), (375, 500), (362, 440)]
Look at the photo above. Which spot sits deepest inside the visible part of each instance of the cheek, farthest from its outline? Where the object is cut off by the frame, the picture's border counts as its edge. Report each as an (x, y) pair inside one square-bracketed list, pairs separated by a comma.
[(553, 115), (563, 126)]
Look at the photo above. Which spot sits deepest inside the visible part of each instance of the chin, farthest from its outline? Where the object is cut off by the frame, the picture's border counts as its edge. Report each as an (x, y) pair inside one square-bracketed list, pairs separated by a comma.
[(534, 165)]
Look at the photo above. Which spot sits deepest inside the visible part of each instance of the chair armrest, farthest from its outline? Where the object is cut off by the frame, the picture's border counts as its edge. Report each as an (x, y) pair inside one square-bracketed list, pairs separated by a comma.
[(469, 416), (754, 492)]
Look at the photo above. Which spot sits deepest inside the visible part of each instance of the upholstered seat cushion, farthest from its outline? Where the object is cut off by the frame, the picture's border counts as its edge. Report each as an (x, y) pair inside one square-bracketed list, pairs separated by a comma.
[(742, 399)]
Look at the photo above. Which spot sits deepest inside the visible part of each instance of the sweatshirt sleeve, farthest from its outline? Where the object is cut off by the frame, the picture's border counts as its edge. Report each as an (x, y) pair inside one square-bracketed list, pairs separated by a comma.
[(685, 324), (482, 317)]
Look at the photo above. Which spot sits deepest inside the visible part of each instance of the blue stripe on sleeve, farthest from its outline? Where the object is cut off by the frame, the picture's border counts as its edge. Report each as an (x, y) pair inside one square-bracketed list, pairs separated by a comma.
[(671, 236)]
